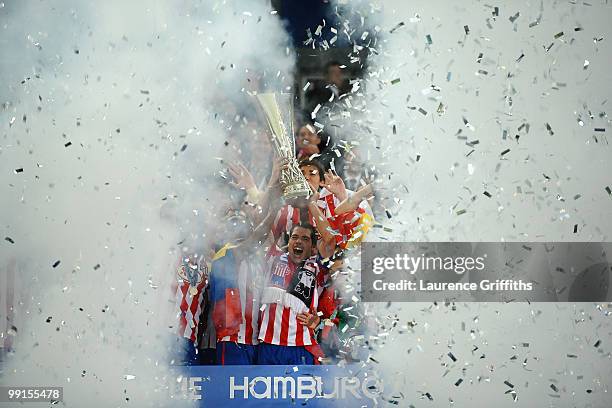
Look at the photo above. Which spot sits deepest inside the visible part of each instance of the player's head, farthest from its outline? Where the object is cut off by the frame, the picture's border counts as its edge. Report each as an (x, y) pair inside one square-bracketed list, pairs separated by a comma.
[(302, 242), (235, 226), (308, 138), (314, 173)]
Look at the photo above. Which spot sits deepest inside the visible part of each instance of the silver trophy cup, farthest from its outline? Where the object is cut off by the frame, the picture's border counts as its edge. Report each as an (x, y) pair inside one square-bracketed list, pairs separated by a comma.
[(278, 110)]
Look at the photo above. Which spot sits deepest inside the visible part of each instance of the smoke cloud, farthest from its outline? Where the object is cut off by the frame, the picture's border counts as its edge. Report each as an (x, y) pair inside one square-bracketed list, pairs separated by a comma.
[(117, 121), (485, 122)]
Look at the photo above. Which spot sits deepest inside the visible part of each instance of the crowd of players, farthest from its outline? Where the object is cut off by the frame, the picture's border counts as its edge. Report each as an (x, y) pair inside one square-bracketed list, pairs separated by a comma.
[(275, 294)]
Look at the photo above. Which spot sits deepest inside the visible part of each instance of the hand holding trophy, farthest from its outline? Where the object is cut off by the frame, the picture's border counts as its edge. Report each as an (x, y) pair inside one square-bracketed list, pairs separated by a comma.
[(280, 121)]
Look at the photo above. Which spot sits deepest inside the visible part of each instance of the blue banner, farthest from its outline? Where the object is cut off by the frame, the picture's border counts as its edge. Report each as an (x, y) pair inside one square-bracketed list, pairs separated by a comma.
[(271, 386)]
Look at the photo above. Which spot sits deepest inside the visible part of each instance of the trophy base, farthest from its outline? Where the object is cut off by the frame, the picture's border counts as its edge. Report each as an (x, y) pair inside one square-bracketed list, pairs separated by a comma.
[(296, 190)]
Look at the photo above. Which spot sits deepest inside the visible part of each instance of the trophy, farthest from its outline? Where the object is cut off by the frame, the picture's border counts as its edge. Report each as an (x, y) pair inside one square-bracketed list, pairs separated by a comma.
[(280, 122)]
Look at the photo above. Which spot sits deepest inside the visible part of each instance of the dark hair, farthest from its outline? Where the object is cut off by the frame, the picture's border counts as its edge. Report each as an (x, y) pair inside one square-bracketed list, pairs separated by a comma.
[(314, 163), (325, 143), (313, 231)]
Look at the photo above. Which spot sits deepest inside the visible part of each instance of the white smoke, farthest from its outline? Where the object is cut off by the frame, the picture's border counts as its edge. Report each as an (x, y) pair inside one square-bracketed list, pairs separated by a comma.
[(487, 122), (117, 120), (437, 113)]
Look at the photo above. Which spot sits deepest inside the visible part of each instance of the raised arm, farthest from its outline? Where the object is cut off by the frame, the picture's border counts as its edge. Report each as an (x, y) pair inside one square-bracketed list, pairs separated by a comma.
[(243, 180), (270, 204), (335, 185), (323, 228), (259, 235), (272, 193), (353, 201), (258, 201)]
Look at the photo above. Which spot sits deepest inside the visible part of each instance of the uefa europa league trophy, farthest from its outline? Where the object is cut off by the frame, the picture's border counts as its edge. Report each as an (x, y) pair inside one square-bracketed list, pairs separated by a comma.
[(280, 122)]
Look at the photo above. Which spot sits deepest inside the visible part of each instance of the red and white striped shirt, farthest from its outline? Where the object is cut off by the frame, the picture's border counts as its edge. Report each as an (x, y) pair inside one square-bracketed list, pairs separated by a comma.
[(249, 288), (189, 290), (286, 218), (343, 225), (279, 323)]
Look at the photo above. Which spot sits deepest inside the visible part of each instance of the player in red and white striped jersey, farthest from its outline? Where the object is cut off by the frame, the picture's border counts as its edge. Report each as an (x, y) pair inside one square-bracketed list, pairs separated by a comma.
[(236, 280), (191, 281), (290, 300), (236, 345), (287, 217), (249, 288), (336, 229)]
